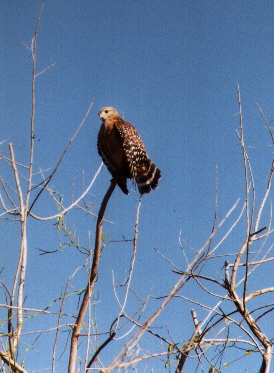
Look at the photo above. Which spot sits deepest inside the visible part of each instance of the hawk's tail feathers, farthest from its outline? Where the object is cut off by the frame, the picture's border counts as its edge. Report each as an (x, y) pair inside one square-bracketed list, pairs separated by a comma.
[(149, 180)]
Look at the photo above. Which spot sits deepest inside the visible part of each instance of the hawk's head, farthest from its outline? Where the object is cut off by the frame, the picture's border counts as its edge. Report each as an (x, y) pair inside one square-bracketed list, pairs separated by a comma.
[(108, 112)]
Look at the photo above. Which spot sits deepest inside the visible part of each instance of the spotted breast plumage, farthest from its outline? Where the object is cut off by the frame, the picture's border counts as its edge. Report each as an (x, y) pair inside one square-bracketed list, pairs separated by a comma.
[(124, 153)]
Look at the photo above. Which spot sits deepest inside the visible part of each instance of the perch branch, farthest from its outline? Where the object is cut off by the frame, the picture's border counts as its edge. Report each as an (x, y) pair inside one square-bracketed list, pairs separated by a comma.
[(92, 279)]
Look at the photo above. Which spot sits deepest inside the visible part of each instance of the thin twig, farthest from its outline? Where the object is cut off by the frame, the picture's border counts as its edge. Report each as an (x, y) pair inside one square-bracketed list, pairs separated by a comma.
[(21, 267), (62, 156), (128, 281), (267, 124), (75, 203), (103, 345), (58, 327)]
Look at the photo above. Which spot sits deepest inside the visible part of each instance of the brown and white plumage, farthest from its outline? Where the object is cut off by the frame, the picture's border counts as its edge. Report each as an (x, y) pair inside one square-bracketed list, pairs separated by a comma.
[(124, 153)]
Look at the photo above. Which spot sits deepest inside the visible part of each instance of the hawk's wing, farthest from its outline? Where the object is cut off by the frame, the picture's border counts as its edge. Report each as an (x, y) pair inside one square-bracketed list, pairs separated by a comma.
[(133, 145)]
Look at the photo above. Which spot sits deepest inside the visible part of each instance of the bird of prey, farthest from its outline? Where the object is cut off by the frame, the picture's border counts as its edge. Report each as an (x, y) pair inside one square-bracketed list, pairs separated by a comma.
[(124, 153)]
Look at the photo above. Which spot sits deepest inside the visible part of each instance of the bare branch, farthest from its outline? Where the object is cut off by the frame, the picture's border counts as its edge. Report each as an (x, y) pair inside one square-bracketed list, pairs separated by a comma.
[(90, 285), (266, 122), (11, 363), (47, 68), (75, 203), (62, 156)]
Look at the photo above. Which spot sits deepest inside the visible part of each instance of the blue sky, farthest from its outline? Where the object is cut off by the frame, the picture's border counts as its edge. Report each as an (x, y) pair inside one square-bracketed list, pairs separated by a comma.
[(170, 68)]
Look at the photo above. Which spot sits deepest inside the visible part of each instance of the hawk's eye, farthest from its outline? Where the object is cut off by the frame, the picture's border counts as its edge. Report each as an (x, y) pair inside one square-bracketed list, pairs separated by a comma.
[(106, 111)]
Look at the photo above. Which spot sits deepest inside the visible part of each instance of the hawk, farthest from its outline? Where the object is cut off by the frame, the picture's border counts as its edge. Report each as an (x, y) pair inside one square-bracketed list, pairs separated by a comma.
[(124, 153)]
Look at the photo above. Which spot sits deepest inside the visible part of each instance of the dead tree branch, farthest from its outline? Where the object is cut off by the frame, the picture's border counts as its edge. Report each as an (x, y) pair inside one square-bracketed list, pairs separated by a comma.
[(92, 279)]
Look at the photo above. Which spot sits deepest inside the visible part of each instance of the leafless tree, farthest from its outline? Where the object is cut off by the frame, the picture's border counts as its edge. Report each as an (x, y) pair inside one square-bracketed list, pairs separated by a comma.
[(222, 308)]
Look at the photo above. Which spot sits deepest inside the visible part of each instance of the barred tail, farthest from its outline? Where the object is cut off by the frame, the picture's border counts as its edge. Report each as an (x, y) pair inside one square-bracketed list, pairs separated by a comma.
[(149, 179)]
